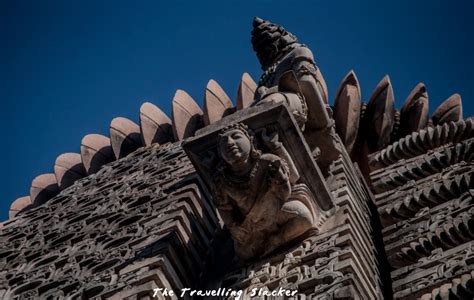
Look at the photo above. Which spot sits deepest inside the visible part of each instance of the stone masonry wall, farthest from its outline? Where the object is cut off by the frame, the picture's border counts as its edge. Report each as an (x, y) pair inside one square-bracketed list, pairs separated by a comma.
[(141, 222), (424, 193)]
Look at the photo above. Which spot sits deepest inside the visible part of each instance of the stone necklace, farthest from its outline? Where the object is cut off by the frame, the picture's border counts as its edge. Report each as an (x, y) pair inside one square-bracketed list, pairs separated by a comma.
[(241, 182)]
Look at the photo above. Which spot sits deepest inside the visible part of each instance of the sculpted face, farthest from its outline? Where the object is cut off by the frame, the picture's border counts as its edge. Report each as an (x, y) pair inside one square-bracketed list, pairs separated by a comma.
[(234, 146)]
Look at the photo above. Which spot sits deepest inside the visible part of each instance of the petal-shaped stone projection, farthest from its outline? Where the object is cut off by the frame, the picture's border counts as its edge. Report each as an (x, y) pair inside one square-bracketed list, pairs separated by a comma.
[(347, 107), (18, 205), (43, 188), (124, 136), (187, 115), (155, 125), (414, 112), (246, 91), (216, 103), (449, 110), (96, 151), (68, 168), (380, 115), (322, 82)]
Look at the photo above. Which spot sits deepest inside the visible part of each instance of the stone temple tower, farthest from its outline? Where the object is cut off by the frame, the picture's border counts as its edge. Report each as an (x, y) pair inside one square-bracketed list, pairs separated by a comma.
[(281, 196)]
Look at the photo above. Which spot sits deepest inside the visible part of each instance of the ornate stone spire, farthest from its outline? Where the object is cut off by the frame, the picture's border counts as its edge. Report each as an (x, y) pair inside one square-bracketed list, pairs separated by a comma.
[(269, 40)]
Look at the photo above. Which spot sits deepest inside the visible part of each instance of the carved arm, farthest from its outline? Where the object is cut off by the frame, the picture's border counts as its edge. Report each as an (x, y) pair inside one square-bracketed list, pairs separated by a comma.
[(276, 147), (313, 92)]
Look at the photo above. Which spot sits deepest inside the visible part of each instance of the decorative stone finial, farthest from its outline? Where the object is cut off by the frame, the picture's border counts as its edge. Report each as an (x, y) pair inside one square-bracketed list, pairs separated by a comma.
[(269, 40)]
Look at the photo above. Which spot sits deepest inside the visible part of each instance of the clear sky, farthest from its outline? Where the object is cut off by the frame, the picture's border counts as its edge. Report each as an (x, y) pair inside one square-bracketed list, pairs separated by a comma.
[(69, 67)]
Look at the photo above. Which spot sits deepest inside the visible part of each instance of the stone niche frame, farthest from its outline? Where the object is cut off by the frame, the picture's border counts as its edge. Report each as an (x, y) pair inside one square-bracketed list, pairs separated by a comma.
[(202, 147)]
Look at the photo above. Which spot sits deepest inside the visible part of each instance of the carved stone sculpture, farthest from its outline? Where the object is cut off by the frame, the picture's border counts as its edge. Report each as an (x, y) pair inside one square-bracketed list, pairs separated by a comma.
[(279, 53), (265, 184), (257, 192)]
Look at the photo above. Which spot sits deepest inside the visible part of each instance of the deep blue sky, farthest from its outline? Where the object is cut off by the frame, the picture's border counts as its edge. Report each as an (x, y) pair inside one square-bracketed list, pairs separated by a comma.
[(69, 67)]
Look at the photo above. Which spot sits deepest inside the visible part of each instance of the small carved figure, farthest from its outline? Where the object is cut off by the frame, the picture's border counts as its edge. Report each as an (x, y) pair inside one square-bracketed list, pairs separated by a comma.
[(279, 52), (288, 92), (257, 194), (287, 63)]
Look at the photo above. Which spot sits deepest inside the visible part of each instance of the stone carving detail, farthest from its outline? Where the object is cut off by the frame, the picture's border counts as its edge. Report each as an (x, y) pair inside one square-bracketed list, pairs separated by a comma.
[(287, 63), (421, 142), (262, 196), (432, 272), (459, 288), (377, 123), (448, 227), (257, 193), (340, 260), (406, 204), (423, 185), (424, 166)]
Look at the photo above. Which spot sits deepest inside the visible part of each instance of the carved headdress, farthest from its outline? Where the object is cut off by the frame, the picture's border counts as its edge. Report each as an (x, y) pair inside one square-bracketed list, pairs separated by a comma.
[(269, 40)]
